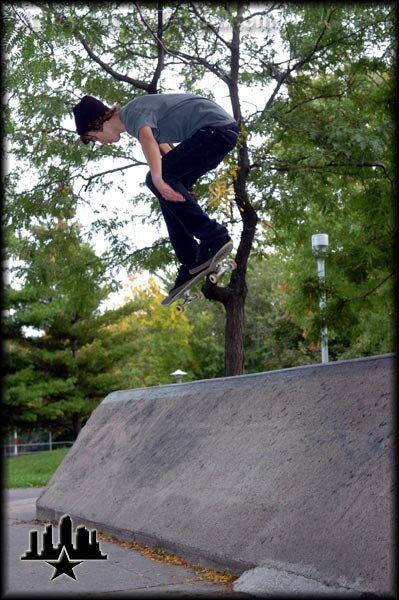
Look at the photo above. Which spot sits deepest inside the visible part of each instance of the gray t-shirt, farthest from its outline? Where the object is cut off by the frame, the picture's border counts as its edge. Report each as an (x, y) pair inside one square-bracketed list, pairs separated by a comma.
[(172, 117)]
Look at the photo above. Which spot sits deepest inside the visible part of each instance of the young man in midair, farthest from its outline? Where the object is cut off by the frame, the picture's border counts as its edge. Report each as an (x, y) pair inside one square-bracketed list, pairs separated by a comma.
[(204, 132)]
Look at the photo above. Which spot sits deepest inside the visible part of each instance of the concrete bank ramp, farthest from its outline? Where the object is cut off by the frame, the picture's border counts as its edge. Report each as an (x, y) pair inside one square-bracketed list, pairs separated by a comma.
[(287, 471)]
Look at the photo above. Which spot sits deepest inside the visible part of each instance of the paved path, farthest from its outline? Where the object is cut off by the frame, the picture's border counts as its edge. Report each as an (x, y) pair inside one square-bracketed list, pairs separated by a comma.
[(125, 573)]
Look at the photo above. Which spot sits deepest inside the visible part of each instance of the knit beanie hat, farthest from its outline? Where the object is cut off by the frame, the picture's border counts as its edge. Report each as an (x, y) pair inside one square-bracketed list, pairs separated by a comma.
[(86, 113)]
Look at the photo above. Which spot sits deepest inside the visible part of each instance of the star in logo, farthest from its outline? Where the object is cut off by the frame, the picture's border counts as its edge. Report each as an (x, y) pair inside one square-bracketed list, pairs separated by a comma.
[(64, 565)]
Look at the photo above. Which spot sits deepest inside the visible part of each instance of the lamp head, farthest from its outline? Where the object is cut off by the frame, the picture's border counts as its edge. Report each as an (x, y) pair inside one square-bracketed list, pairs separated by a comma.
[(319, 242)]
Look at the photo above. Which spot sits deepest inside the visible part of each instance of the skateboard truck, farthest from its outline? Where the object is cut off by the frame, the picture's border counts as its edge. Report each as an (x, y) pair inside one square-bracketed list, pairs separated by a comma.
[(187, 299), (221, 268)]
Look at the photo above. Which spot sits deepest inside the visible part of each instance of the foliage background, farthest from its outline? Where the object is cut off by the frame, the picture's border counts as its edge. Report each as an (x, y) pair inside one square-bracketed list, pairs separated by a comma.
[(315, 89)]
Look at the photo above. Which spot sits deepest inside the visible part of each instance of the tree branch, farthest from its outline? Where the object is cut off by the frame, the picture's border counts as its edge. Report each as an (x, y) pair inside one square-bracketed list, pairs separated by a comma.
[(90, 179), (324, 96), (316, 47), (286, 166), (160, 51), (210, 26), (282, 77), (261, 13), (185, 58), (118, 76), (141, 85), (362, 296), (25, 21)]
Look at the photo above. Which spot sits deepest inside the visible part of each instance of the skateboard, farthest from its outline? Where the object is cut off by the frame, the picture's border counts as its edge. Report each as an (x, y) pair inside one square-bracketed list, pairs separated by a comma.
[(220, 265)]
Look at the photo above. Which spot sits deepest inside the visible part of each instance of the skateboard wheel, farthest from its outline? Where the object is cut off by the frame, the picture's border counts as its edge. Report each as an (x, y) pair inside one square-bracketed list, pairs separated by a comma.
[(213, 278), (179, 308)]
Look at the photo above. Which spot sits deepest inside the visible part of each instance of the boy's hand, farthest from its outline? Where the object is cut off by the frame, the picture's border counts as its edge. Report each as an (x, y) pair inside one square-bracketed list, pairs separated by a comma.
[(165, 148), (168, 192)]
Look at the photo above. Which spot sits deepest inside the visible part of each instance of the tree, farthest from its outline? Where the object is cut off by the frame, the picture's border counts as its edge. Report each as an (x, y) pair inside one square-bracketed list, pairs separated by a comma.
[(273, 339), (70, 50), (65, 351), (151, 342), (333, 164), (51, 374)]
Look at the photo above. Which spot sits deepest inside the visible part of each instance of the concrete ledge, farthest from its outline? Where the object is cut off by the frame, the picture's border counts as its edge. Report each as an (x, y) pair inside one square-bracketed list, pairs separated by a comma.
[(288, 470), (263, 581)]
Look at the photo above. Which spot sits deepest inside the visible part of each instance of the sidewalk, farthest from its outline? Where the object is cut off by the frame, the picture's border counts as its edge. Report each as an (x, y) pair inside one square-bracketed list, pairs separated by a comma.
[(126, 572)]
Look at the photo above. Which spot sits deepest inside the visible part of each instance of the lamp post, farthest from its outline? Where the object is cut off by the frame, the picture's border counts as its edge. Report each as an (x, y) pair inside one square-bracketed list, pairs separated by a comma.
[(179, 375), (320, 245)]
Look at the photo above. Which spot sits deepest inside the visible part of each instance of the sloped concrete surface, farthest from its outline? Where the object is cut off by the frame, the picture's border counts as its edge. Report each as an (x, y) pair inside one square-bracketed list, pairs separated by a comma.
[(288, 470)]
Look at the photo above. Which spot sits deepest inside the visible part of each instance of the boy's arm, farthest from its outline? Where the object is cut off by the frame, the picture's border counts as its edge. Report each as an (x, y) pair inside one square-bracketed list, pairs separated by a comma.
[(152, 153)]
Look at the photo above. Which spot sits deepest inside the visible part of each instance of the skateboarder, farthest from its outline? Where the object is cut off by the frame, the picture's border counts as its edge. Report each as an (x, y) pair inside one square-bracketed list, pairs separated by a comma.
[(204, 132)]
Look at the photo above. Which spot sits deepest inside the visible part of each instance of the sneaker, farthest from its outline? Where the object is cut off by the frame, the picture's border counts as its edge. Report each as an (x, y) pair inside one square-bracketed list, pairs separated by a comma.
[(183, 276), (183, 283), (211, 252)]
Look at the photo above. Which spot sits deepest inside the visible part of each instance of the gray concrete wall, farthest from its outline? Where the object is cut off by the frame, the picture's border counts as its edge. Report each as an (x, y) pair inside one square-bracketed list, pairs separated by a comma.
[(288, 470)]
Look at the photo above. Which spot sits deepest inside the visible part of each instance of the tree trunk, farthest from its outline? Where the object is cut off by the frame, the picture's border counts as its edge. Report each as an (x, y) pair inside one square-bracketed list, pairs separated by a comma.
[(76, 418), (234, 336), (233, 298), (77, 424)]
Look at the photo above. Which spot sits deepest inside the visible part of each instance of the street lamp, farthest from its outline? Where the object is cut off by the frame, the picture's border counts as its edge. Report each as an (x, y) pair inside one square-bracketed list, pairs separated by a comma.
[(320, 245), (179, 375)]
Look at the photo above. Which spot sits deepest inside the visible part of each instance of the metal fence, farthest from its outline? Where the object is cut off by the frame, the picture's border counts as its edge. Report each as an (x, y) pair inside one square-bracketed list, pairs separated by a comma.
[(18, 449)]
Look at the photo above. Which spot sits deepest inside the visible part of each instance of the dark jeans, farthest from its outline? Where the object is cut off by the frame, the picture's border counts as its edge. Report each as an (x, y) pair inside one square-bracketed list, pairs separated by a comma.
[(181, 167)]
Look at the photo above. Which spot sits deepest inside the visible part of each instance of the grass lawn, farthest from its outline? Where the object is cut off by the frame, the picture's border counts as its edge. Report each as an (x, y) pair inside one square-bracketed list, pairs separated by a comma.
[(32, 470)]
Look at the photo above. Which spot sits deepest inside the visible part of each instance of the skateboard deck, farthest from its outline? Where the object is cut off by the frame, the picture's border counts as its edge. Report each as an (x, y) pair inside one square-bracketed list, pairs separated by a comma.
[(219, 265)]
